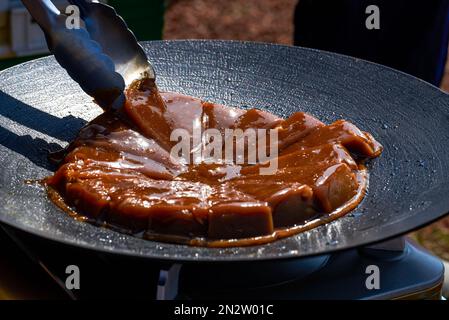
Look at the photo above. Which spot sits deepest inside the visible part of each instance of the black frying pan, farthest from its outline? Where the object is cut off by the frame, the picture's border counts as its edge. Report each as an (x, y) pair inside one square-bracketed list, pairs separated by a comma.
[(41, 109)]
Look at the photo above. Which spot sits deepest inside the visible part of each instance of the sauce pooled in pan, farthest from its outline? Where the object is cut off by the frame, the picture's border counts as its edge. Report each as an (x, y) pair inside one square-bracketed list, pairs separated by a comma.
[(121, 172)]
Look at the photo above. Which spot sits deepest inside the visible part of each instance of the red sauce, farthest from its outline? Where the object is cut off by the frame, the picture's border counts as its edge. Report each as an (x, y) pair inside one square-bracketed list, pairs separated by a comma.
[(119, 173)]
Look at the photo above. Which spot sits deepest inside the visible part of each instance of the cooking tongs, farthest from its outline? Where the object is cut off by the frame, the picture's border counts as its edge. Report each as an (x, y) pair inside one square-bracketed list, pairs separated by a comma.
[(99, 52)]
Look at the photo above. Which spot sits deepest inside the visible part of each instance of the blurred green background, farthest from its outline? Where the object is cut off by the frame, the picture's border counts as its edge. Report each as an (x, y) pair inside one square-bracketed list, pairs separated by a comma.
[(144, 17)]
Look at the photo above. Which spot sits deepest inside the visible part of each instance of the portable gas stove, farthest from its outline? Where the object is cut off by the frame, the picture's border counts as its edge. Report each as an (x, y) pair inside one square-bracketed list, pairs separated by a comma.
[(406, 271)]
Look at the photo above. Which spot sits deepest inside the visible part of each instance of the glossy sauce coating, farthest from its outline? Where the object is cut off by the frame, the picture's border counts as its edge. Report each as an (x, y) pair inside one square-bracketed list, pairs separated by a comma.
[(119, 173)]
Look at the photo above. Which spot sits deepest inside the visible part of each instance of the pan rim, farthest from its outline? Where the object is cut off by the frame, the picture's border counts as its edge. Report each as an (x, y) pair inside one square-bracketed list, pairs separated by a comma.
[(234, 259)]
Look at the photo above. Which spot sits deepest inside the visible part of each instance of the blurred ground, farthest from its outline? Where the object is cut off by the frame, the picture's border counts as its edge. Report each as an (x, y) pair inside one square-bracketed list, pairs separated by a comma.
[(268, 21), (254, 20)]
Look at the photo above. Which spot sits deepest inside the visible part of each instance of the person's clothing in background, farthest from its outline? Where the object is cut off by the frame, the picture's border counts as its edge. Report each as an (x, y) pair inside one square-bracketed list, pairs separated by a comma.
[(413, 35)]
